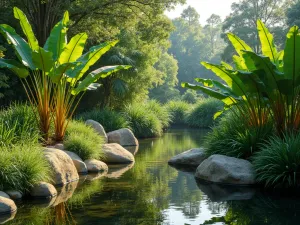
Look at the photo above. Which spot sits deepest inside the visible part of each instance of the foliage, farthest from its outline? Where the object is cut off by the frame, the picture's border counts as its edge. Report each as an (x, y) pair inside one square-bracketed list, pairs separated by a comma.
[(202, 115), (56, 71), (234, 137), (144, 123), (111, 120), (22, 166), (159, 111), (18, 124), (190, 96), (278, 162), (84, 141), (293, 14), (259, 86), (178, 111)]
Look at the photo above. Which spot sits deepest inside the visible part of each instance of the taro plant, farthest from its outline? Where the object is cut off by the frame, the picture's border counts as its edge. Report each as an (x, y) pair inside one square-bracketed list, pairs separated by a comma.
[(260, 86), (56, 75)]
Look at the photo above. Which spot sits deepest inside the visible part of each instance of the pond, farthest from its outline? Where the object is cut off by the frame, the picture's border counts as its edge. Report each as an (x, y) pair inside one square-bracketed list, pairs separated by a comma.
[(151, 192)]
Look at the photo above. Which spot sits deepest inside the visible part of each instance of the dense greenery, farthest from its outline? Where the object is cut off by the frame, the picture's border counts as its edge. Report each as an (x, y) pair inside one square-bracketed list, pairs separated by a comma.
[(84, 141), (178, 111)]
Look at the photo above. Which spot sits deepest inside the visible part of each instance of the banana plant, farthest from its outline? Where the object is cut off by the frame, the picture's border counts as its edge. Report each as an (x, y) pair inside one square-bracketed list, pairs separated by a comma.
[(56, 75), (260, 85)]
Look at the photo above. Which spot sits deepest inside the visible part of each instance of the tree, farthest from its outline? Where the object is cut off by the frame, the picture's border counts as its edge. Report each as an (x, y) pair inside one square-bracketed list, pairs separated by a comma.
[(213, 29), (190, 15), (293, 14), (242, 21)]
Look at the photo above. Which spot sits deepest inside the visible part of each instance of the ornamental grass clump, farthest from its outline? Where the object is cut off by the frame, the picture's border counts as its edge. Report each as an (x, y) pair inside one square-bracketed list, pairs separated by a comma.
[(202, 115), (22, 166), (178, 111), (278, 162), (111, 120), (55, 76), (84, 141), (160, 111)]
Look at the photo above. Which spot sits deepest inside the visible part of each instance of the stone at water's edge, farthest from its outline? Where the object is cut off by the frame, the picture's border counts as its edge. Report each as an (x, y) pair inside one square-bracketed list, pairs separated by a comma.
[(7, 206), (14, 194), (115, 153), (226, 170), (98, 128), (65, 193), (96, 166), (192, 158), (124, 137), (117, 171), (78, 162), (61, 165), (43, 190), (4, 195)]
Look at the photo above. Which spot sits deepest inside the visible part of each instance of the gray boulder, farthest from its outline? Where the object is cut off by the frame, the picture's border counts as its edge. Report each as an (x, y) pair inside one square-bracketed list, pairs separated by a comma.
[(115, 153), (192, 158), (43, 190), (78, 162), (96, 166), (98, 128), (15, 195), (124, 137), (226, 170), (4, 195), (61, 165), (7, 206)]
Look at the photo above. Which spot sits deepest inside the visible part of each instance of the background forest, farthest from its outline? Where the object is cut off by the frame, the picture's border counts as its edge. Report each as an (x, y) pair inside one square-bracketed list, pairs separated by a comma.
[(163, 52)]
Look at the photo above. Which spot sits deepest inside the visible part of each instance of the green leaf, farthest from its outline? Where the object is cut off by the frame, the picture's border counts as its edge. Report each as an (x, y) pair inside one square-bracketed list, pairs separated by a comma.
[(292, 55), (22, 48), (43, 60), (27, 29), (96, 75), (14, 66), (238, 44), (74, 49), (57, 40), (56, 73), (89, 59), (267, 41)]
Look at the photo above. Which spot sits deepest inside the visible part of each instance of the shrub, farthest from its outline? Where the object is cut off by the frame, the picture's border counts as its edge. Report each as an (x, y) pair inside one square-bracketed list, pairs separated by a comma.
[(202, 115), (143, 122), (18, 124), (178, 111), (110, 120), (278, 162), (84, 141), (22, 166), (234, 137), (160, 112), (190, 96)]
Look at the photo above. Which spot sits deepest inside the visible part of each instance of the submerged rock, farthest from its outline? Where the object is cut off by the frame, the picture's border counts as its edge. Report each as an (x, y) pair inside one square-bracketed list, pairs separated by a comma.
[(78, 162), (115, 153), (117, 171), (65, 193), (43, 190), (192, 158), (62, 166), (98, 128), (14, 194), (124, 137), (4, 195), (226, 170), (7, 206), (7, 217), (96, 166), (132, 149)]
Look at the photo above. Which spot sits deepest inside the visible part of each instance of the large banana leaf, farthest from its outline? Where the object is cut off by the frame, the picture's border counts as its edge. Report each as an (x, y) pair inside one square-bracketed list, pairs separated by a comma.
[(96, 75), (89, 59), (27, 29), (292, 56), (14, 66), (22, 48), (57, 40), (267, 41), (238, 44), (43, 60), (74, 49), (57, 72)]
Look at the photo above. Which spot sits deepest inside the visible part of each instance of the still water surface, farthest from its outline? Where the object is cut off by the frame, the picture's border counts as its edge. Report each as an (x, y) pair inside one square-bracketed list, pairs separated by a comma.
[(150, 192)]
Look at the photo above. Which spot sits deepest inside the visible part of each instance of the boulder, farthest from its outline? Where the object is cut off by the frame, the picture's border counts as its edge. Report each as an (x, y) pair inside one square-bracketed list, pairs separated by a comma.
[(7, 217), (115, 153), (132, 149), (14, 194), (98, 128), (65, 193), (124, 137), (43, 190), (78, 162), (117, 171), (7, 206), (4, 195), (95, 166), (226, 170), (62, 166), (192, 158)]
